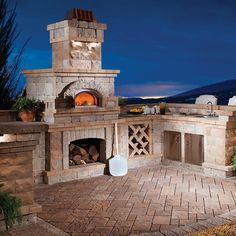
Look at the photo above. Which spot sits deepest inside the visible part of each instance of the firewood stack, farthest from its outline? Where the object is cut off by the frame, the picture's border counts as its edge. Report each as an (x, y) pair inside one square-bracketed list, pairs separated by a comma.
[(81, 156)]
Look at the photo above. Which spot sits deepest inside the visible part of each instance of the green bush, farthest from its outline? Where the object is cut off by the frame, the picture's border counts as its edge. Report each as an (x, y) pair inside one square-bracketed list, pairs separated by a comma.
[(10, 206), (122, 101), (233, 163)]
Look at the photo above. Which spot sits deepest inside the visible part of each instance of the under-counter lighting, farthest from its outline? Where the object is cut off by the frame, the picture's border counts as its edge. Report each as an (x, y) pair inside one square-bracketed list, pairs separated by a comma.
[(2, 138)]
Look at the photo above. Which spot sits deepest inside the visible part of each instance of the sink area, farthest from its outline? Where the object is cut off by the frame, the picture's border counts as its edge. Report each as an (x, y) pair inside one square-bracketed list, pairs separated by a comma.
[(205, 116), (194, 115)]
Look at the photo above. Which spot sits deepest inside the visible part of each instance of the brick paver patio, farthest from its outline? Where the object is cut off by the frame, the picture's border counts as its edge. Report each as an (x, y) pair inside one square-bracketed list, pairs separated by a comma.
[(152, 199)]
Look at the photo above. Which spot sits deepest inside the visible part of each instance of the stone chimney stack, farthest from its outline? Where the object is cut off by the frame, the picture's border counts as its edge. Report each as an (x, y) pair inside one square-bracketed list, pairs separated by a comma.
[(76, 42)]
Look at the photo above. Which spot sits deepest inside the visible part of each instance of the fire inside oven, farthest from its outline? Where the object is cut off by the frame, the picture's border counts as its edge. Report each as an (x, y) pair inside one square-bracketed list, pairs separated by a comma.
[(85, 99)]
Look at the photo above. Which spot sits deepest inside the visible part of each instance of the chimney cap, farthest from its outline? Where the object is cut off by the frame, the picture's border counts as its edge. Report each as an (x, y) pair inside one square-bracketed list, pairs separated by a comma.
[(80, 14)]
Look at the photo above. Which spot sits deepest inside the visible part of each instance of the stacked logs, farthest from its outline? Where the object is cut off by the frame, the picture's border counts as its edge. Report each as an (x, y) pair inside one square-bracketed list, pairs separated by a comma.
[(81, 156)]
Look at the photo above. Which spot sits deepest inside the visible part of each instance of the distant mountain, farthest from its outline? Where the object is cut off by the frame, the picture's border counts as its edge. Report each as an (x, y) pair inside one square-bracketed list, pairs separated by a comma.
[(223, 91), (212, 88)]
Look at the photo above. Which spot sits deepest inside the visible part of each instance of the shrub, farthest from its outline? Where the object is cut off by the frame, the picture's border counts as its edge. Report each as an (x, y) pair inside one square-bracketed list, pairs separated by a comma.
[(10, 206)]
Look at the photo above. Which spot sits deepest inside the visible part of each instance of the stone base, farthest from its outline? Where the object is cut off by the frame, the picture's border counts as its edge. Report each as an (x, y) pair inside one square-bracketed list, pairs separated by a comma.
[(143, 161), (206, 168), (218, 170), (93, 170), (78, 172), (187, 166)]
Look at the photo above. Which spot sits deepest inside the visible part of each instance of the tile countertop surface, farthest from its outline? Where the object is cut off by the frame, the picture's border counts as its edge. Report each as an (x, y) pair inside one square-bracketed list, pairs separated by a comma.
[(26, 127), (177, 116), (22, 127)]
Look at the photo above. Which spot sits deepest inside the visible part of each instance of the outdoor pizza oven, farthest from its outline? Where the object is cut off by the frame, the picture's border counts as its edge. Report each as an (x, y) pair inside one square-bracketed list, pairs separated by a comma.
[(80, 105), (76, 79), (87, 98)]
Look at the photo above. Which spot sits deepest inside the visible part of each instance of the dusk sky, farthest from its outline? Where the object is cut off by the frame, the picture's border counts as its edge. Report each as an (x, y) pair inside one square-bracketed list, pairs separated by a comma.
[(161, 47)]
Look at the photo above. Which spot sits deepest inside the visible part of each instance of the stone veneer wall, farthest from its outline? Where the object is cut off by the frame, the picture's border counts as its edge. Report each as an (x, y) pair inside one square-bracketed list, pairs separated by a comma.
[(20, 167), (7, 115), (50, 148), (76, 44), (219, 142), (60, 136), (54, 88), (48, 84), (76, 66), (219, 133), (38, 151)]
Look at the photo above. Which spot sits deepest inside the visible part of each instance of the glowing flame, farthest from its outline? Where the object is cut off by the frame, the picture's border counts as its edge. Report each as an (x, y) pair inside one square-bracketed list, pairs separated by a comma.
[(85, 99)]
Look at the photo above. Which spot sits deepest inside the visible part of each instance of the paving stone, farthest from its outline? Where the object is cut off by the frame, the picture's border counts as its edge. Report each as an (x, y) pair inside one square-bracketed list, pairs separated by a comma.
[(179, 231), (160, 219), (198, 226), (204, 223), (188, 229), (217, 221), (169, 233), (117, 231), (118, 206), (228, 216), (149, 234), (233, 213)]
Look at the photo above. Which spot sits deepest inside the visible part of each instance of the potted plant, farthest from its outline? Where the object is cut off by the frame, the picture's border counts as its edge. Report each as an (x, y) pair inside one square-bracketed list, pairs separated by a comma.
[(10, 207), (26, 108)]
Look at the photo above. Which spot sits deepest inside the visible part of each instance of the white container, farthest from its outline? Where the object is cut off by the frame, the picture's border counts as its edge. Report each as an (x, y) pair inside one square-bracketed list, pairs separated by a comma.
[(157, 109), (146, 110), (152, 110)]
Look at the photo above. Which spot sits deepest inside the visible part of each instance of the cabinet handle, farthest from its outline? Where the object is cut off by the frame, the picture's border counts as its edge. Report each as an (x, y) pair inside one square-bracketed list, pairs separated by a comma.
[(178, 139)]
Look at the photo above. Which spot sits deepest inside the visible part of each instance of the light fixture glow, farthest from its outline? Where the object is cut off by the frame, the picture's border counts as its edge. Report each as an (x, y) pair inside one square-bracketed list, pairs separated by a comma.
[(1, 138)]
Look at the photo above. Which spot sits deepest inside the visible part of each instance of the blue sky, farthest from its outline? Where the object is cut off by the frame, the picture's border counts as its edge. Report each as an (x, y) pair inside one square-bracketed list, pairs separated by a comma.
[(161, 47)]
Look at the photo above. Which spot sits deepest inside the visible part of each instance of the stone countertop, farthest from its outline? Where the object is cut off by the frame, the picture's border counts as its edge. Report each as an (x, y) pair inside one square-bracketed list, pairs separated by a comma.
[(31, 127), (132, 118), (176, 117), (22, 127)]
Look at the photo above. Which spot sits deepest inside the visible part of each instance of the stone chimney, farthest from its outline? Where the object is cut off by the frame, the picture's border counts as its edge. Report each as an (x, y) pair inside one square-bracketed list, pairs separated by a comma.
[(76, 42)]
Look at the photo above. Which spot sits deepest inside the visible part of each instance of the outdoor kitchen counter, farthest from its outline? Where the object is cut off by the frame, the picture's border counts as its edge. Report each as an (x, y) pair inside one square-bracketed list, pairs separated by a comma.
[(219, 120), (22, 127), (129, 118), (217, 135)]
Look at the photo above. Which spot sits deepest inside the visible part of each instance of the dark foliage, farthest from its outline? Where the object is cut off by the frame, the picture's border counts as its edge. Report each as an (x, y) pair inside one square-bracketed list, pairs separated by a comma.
[(9, 69), (10, 206)]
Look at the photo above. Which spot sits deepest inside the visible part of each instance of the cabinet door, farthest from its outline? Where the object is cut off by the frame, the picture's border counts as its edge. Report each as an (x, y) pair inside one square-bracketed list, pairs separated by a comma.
[(172, 145), (194, 149)]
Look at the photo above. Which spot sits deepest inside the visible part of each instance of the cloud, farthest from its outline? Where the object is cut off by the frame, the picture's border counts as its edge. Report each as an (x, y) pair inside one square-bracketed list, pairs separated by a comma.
[(151, 89)]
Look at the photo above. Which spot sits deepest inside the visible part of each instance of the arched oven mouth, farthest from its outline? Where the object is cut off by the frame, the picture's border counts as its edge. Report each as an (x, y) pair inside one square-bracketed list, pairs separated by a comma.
[(86, 98)]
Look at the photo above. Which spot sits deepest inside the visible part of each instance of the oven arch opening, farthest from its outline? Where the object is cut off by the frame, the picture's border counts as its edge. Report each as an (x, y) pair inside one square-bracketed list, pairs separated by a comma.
[(87, 98)]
